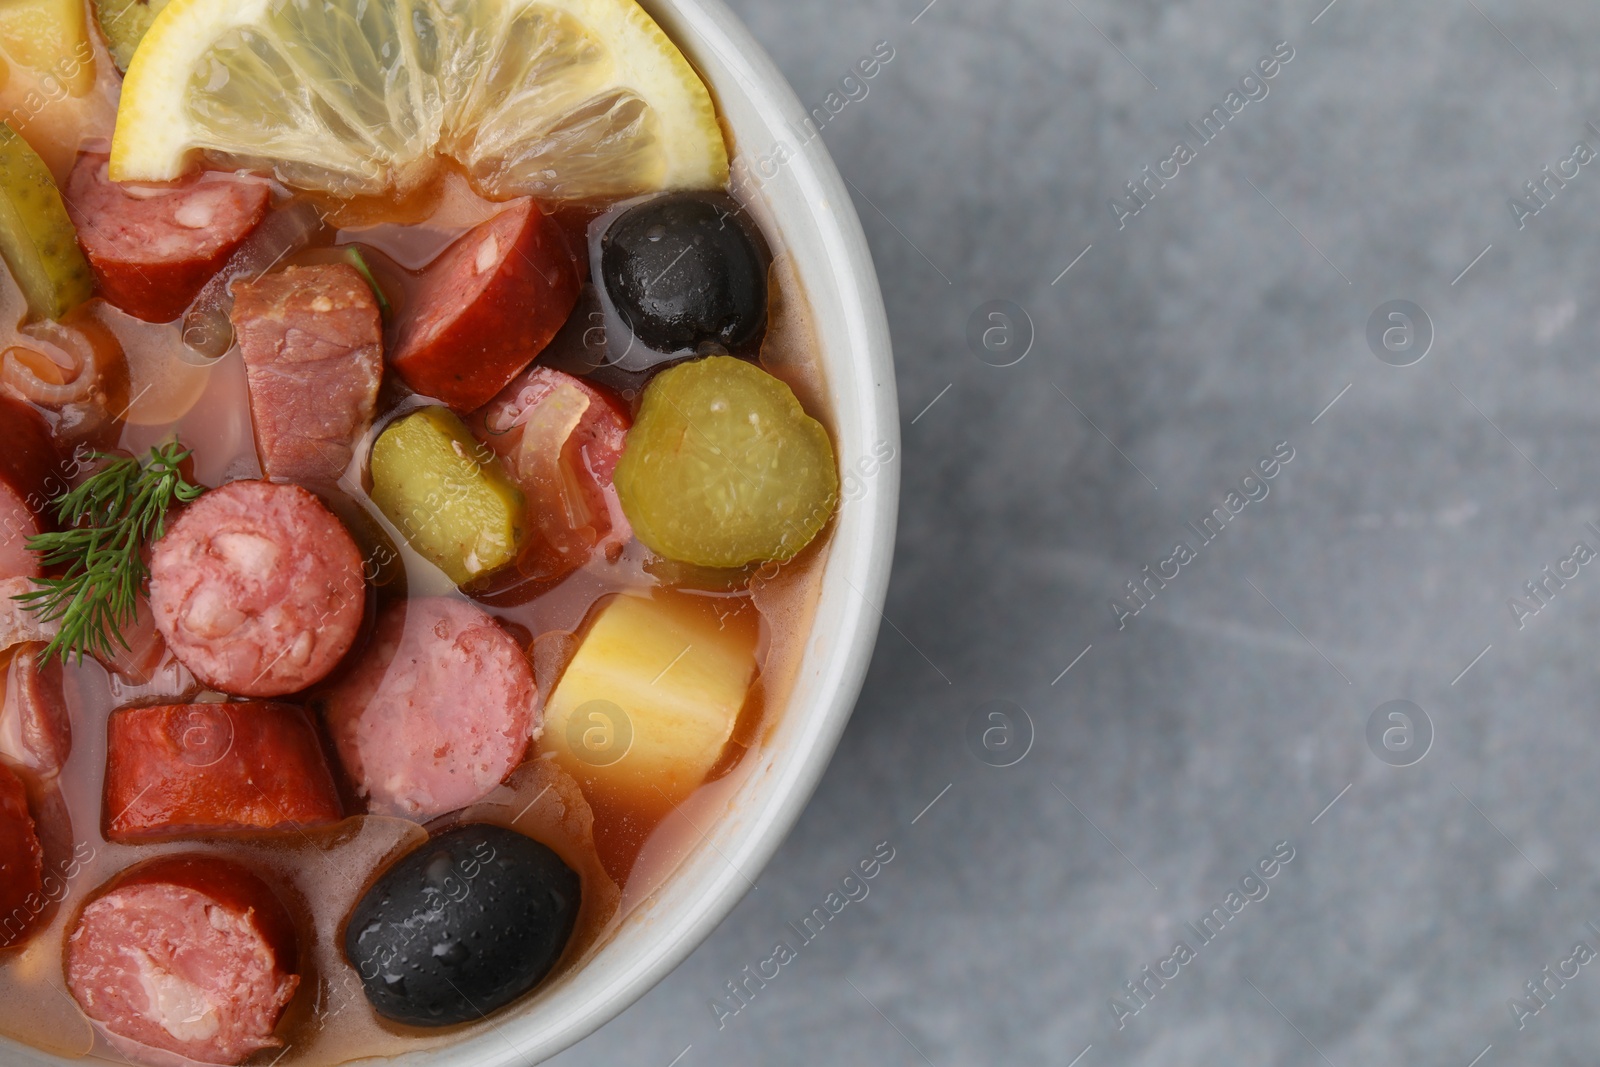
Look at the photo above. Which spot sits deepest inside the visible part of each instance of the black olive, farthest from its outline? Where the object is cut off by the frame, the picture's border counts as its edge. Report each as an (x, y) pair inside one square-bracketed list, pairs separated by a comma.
[(464, 925), (684, 270)]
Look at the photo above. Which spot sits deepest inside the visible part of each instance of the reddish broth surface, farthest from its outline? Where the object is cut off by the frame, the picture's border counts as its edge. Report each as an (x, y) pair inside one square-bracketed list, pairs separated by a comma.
[(622, 851)]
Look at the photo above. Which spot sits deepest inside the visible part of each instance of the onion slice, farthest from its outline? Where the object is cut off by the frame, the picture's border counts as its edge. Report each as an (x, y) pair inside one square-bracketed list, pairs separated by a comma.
[(207, 326), (17, 623), (56, 370)]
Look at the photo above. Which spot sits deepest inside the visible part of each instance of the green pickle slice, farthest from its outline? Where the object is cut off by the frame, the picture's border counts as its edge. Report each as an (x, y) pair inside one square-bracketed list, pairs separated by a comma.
[(447, 494), (125, 23), (723, 467), (37, 239)]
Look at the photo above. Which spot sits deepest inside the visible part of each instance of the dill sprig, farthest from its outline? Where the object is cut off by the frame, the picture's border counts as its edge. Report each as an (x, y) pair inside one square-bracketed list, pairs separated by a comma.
[(105, 524)]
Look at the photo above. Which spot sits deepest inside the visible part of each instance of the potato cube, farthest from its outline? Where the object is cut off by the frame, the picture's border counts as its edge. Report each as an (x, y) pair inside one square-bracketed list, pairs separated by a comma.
[(651, 696), (51, 39)]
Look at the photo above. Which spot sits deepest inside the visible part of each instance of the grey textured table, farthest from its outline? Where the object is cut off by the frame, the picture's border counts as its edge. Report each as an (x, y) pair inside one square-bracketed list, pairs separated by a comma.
[(1228, 317)]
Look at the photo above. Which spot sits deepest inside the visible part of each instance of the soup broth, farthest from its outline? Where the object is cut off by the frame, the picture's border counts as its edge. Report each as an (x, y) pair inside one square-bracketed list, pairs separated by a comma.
[(154, 384)]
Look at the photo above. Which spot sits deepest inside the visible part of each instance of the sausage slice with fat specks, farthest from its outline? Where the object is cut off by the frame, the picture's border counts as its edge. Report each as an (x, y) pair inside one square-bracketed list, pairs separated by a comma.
[(436, 712), (486, 307), (152, 247), (191, 955), (21, 863), (312, 341), (257, 588), (180, 770)]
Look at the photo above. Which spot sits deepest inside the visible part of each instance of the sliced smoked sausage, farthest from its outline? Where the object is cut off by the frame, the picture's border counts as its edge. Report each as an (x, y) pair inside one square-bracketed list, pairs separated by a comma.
[(192, 955), (257, 589), (21, 863), (312, 342), (30, 478), (183, 769), (486, 307), (153, 246), (436, 712)]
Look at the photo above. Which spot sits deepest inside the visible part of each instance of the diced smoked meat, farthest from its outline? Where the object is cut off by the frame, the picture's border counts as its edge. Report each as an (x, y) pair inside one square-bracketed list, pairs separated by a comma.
[(487, 306), (312, 341), (152, 247), (185, 769), (436, 712), (191, 955), (258, 589)]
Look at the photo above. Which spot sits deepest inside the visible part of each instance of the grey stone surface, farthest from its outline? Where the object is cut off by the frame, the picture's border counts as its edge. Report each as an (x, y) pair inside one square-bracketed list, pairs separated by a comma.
[(1230, 712)]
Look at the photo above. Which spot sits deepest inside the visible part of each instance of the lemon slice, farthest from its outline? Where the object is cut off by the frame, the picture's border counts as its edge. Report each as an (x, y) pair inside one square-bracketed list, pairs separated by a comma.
[(560, 99)]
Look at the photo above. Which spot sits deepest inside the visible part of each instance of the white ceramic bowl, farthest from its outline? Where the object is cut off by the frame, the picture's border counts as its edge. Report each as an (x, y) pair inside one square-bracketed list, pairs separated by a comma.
[(806, 207)]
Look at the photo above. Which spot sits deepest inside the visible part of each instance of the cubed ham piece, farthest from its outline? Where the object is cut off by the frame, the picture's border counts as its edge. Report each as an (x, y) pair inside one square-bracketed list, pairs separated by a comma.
[(258, 589), (560, 437), (152, 247), (185, 769), (21, 863), (188, 955), (439, 708), (312, 341), (35, 730), (486, 307), (30, 477)]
